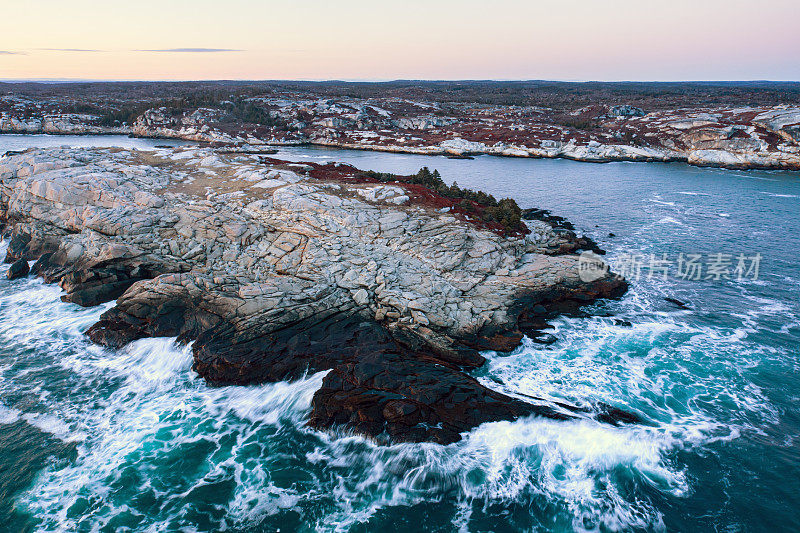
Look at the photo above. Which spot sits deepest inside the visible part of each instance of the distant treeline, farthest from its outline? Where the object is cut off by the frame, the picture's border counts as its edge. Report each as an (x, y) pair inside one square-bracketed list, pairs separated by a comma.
[(561, 96)]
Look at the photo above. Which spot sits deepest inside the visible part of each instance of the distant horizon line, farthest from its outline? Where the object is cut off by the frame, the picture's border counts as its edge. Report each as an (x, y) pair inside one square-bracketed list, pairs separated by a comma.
[(376, 80)]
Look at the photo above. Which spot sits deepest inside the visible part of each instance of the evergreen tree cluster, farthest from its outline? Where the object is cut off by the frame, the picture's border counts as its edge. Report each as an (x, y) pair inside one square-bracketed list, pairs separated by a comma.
[(241, 110), (505, 212), (236, 109)]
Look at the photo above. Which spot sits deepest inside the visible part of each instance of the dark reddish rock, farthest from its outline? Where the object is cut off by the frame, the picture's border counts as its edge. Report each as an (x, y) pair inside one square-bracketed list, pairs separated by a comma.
[(18, 269), (677, 303)]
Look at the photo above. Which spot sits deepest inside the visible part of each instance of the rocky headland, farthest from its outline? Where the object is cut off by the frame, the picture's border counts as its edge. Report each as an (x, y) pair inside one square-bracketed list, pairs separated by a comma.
[(276, 269)]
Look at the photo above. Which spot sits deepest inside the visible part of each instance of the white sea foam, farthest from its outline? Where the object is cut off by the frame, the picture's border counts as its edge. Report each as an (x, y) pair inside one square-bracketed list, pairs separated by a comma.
[(8, 415), (53, 425), (662, 202), (576, 463), (159, 406), (776, 195)]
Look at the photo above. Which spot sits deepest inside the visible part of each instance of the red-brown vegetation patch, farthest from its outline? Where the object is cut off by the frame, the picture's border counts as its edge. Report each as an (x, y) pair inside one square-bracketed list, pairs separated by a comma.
[(478, 213)]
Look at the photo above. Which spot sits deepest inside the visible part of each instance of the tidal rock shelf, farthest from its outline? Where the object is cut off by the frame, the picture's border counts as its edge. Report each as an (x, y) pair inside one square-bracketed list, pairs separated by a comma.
[(274, 270)]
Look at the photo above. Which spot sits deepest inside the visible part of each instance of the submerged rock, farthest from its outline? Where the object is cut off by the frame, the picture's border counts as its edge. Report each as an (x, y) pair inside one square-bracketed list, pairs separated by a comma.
[(677, 303), (274, 272)]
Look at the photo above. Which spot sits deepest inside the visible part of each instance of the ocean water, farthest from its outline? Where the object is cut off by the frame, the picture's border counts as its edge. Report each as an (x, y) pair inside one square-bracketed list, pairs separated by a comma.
[(132, 440)]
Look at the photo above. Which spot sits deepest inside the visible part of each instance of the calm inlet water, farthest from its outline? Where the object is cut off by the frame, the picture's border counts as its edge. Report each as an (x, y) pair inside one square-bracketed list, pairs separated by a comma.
[(99, 440)]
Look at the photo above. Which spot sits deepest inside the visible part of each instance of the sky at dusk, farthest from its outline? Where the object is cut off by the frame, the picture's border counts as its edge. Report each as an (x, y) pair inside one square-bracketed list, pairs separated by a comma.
[(411, 39)]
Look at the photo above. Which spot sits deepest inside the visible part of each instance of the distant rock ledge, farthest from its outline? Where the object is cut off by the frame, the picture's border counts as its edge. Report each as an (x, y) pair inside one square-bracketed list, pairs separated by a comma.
[(760, 137), (274, 270)]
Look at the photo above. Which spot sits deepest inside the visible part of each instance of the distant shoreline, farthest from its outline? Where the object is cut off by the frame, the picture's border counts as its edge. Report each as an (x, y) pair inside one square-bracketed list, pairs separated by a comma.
[(432, 153)]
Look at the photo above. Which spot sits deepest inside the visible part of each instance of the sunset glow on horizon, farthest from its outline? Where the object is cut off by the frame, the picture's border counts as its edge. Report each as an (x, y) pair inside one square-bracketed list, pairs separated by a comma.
[(359, 40)]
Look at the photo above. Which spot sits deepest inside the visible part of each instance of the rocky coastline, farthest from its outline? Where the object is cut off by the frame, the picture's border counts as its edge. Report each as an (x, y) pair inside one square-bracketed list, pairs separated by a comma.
[(275, 269), (595, 153), (736, 137)]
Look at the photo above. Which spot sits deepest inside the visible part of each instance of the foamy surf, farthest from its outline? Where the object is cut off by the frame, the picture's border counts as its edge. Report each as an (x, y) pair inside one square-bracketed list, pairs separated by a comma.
[(147, 428), (8, 415), (776, 195), (160, 411), (149, 412)]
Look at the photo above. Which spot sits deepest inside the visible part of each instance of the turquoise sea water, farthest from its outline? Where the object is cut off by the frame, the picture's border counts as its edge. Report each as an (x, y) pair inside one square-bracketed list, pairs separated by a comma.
[(100, 440)]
